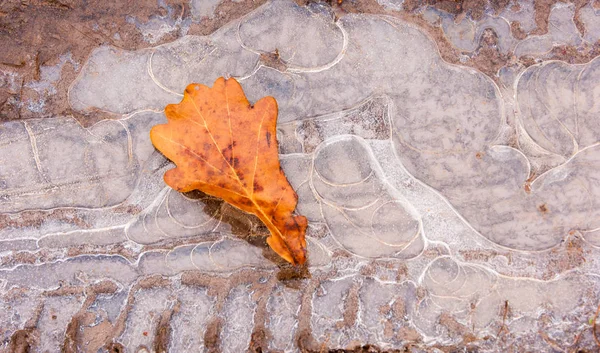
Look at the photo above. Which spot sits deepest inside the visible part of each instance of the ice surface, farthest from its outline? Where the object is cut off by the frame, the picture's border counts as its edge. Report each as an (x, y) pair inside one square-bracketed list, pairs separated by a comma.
[(443, 208), (561, 30), (391, 4), (141, 321), (204, 8), (283, 316), (461, 34), (191, 320), (122, 67), (238, 316), (523, 12), (591, 18), (276, 28)]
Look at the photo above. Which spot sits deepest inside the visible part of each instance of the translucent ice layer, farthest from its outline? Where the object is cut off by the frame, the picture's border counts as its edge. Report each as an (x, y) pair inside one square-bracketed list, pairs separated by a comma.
[(445, 210)]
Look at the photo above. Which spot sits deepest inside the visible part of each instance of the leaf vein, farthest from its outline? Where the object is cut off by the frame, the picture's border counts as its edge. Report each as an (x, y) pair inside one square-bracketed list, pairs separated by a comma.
[(192, 152), (256, 153), (217, 145)]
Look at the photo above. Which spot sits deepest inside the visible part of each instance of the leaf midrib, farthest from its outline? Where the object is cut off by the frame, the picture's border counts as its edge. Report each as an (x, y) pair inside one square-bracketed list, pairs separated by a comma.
[(264, 218)]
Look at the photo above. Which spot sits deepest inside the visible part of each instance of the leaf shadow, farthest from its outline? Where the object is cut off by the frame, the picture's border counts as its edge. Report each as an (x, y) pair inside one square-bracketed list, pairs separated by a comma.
[(249, 228)]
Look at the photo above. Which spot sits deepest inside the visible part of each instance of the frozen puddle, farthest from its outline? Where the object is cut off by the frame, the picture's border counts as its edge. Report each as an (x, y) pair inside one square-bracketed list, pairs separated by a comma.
[(444, 211)]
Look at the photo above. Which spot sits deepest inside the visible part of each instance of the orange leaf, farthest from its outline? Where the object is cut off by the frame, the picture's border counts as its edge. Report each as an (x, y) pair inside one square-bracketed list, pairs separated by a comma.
[(227, 148)]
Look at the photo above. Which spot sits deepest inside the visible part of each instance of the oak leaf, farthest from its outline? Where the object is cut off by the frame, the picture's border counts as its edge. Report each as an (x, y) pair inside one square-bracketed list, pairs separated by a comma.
[(227, 148)]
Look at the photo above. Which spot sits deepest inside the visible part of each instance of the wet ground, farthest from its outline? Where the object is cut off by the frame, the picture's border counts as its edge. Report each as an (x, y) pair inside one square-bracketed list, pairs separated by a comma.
[(444, 152)]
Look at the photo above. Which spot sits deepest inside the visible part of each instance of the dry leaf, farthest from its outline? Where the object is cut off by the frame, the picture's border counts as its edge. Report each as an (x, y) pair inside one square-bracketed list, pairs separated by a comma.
[(227, 148)]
